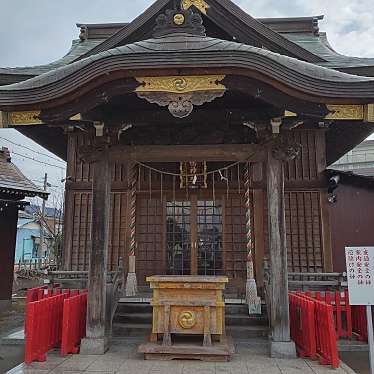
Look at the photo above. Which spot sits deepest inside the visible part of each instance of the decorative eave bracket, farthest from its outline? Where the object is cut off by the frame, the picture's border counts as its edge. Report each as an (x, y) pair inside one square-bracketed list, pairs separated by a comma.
[(202, 5), (181, 93), (26, 118), (346, 113)]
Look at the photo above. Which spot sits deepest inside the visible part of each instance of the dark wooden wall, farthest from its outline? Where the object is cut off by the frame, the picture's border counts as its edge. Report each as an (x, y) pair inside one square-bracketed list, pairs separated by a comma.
[(307, 222), (352, 219), (8, 232)]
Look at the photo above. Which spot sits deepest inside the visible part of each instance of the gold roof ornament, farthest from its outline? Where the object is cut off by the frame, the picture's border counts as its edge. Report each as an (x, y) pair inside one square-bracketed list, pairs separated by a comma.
[(346, 112), (27, 118), (199, 4), (181, 93), (181, 84), (179, 19), (10, 119)]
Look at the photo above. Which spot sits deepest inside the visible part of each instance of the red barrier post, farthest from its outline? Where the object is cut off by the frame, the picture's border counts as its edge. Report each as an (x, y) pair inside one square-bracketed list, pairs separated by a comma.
[(303, 325), (348, 309), (359, 322), (43, 327), (326, 343), (74, 323), (341, 309)]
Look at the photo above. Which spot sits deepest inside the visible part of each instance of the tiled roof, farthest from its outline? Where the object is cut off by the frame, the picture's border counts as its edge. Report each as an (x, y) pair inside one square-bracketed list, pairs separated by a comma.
[(319, 45), (13, 182), (362, 177), (315, 43), (78, 49)]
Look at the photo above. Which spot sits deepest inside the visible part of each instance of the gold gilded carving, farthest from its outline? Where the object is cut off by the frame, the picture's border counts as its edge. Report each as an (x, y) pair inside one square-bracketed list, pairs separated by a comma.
[(20, 118), (10, 119), (181, 84), (24, 118), (187, 320), (369, 113), (345, 112), (3, 124), (179, 19), (287, 113), (199, 4)]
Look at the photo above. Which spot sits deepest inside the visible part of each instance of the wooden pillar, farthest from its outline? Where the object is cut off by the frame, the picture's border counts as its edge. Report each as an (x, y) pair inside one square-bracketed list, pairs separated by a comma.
[(96, 341), (8, 232), (281, 345)]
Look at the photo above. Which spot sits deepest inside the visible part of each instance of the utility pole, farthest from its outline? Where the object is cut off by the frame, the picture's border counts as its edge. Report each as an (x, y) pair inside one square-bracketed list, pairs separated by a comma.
[(43, 215)]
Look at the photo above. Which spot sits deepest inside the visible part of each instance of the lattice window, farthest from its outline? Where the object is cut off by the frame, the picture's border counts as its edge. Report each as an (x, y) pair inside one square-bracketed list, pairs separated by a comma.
[(303, 219), (178, 238), (234, 238), (209, 237), (150, 242)]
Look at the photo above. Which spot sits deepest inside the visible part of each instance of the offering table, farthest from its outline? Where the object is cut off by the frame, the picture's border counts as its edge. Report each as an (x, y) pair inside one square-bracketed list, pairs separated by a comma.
[(188, 306)]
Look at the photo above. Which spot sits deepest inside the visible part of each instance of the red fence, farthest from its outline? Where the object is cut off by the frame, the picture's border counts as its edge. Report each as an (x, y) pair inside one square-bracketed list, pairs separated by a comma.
[(35, 294), (43, 327), (303, 329), (74, 323), (313, 330), (359, 322), (327, 347), (341, 308), (45, 315)]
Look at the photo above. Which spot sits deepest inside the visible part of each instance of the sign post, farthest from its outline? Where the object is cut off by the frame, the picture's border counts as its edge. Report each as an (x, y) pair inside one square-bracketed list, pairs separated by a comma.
[(370, 337), (360, 275)]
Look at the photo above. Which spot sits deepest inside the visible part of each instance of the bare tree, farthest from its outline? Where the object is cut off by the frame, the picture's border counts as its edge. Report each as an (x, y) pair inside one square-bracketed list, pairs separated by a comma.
[(52, 224)]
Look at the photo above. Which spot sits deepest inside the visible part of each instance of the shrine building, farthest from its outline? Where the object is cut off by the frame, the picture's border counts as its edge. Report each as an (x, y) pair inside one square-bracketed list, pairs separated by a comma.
[(196, 139)]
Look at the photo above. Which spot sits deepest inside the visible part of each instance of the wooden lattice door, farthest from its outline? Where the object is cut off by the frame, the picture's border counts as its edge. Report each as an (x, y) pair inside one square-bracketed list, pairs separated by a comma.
[(194, 231)]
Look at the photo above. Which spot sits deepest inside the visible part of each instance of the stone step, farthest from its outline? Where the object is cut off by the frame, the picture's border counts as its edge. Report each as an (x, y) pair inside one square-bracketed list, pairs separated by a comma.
[(245, 320), (135, 318), (134, 308), (230, 309), (236, 332), (236, 320), (247, 332), (130, 329)]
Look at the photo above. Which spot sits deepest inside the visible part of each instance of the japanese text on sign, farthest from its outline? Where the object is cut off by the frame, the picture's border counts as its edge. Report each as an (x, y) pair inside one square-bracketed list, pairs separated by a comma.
[(360, 274)]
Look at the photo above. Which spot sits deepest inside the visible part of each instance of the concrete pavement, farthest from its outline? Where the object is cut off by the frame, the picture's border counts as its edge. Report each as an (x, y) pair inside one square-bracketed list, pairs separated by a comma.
[(122, 358)]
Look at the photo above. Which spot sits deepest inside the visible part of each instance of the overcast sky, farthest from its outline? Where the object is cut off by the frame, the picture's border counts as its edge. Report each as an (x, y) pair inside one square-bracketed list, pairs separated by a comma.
[(36, 32)]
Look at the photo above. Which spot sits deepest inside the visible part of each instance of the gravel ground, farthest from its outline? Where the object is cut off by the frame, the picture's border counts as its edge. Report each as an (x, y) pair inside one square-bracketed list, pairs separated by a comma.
[(358, 361), (10, 321)]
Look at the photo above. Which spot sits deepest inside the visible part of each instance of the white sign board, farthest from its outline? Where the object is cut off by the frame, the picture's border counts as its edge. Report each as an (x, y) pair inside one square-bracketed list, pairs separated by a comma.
[(360, 275)]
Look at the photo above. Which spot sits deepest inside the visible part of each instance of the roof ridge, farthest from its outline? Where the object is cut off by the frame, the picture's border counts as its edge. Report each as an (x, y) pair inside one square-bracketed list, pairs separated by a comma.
[(5, 154), (257, 27), (12, 178)]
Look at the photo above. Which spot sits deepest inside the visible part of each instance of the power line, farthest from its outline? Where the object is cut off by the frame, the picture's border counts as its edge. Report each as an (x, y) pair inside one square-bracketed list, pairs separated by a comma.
[(51, 186), (40, 162), (32, 150)]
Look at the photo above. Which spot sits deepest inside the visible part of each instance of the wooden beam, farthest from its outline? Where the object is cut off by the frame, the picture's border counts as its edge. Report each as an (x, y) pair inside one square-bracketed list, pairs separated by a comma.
[(176, 153), (8, 231), (279, 318), (326, 233), (96, 340)]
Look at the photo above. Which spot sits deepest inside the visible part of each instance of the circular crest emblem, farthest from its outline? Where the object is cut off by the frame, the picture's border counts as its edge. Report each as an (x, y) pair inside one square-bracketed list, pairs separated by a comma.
[(180, 84), (179, 19), (187, 320)]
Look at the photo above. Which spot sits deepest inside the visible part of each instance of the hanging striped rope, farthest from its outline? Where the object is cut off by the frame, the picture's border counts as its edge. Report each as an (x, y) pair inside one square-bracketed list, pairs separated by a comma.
[(254, 302), (248, 205), (132, 187)]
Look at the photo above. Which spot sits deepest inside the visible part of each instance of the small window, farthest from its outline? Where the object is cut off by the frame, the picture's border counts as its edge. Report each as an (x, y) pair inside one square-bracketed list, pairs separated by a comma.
[(35, 246)]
